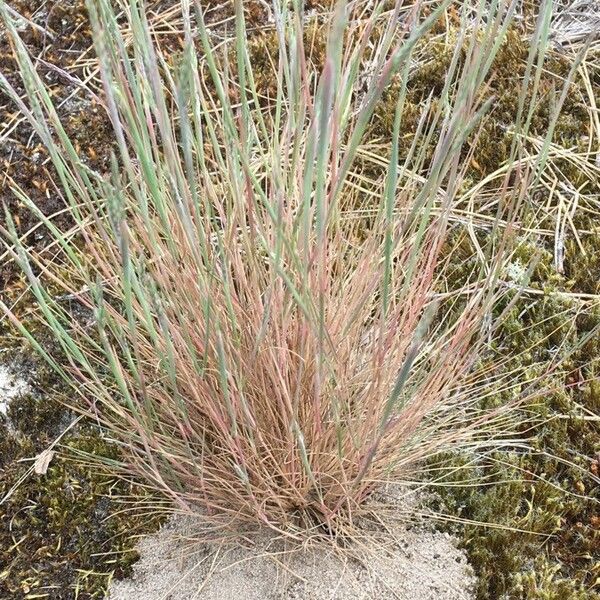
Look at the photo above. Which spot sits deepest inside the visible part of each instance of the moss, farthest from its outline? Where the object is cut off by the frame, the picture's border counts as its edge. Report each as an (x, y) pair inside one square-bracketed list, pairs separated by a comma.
[(25, 161), (582, 264), (491, 142), (550, 490), (64, 534), (263, 50)]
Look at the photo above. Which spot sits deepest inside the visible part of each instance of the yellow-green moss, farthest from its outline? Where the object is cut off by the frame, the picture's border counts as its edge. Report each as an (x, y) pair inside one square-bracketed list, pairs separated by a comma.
[(492, 138), (64, 534), (550, 490)]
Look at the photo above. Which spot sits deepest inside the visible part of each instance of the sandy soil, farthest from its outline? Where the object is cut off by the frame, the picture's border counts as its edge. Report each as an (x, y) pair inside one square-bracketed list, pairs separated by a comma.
[(11, 385), (410, 563)]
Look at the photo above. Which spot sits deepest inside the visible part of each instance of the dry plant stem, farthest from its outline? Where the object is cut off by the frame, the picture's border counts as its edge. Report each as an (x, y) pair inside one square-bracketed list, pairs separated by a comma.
[(248, 354)]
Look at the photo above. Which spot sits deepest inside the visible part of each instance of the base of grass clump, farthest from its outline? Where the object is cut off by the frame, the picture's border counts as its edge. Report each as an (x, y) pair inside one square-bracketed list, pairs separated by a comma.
[(387, 559)]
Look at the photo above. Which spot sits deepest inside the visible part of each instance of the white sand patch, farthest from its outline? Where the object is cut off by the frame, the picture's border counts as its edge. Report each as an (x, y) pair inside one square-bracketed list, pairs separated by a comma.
[(11, 386), (416, 564)]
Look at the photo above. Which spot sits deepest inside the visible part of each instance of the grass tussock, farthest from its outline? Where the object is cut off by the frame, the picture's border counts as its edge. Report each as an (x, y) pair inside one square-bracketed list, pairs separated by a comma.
[(257, 350)]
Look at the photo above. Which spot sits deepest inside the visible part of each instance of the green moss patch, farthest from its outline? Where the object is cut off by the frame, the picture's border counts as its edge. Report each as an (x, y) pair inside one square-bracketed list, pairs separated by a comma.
[(66, 533), (541, 503)]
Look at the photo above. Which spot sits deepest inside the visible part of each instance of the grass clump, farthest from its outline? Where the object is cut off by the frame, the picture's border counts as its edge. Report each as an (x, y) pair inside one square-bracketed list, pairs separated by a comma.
[(251, 358)]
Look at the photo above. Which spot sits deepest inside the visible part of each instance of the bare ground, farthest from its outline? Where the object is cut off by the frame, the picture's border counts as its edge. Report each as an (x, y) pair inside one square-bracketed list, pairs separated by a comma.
[(409, 563)]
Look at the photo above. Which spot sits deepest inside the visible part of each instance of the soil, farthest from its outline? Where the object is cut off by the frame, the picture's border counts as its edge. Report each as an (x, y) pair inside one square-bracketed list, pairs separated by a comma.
[(407, 563)]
